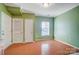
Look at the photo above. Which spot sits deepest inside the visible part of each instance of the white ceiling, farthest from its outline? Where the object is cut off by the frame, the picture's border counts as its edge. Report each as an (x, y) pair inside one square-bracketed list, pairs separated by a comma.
[(54, 10)]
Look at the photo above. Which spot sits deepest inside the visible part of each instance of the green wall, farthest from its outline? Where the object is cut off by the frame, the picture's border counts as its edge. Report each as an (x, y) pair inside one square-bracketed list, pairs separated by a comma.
[(38, 21), (4, 9), (67, 27)]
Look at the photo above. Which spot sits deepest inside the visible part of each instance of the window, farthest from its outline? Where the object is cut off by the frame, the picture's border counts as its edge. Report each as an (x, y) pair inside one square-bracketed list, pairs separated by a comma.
[(45, 28)]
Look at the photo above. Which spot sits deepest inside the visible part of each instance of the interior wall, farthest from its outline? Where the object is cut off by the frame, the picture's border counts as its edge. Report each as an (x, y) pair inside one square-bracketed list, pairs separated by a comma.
[(4, 9), (67, 27), (38, 21), (5, 30)]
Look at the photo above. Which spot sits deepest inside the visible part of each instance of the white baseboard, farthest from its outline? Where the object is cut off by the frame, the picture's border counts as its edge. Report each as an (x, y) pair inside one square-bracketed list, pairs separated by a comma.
[(67, 44)]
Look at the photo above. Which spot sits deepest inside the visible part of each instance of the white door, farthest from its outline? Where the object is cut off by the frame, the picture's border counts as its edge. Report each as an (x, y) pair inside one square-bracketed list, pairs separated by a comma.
[(17, 30), (5, 29), (28, 30)]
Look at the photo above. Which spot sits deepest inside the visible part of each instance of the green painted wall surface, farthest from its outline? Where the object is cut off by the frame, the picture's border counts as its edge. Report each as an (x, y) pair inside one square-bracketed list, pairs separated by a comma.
[(24, 16), (67, 27), (3, 9), (14, 11), (38, 21), (28, 16)]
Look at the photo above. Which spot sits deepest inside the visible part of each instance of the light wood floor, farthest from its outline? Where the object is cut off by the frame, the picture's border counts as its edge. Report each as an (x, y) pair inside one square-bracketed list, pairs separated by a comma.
[(34, 48)]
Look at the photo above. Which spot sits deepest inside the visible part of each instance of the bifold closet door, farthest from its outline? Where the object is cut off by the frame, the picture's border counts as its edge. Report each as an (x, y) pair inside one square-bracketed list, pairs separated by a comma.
[(17, 30), (5, 29), (28, 30)]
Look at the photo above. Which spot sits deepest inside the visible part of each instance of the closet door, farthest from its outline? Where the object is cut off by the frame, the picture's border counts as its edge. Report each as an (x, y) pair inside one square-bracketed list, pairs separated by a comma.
[(17, 30), (28, 30), (5, 29)]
